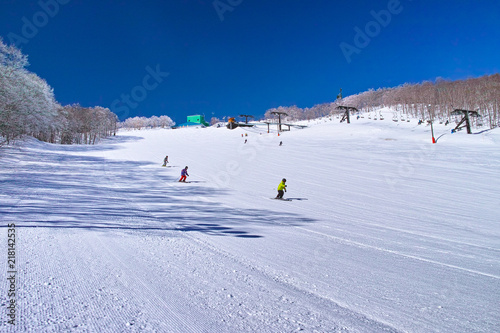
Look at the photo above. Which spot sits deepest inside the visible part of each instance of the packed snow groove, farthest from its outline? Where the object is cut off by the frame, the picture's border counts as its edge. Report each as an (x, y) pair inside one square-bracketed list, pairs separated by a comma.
[(387, 233)]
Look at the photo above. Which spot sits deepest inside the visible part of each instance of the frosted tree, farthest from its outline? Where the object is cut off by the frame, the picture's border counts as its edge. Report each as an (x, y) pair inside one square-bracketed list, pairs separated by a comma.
[(12, 57), (28, 107), (166, 121), (138, 123), (27, 103)]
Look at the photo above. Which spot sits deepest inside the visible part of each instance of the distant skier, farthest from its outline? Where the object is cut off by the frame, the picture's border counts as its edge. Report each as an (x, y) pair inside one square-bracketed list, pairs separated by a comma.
[(165, 161), (281, 189), (281, 143), (184, 174)]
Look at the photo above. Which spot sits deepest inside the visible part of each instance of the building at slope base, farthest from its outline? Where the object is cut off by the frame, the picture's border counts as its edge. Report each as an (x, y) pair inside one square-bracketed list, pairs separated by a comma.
[(195, 120)]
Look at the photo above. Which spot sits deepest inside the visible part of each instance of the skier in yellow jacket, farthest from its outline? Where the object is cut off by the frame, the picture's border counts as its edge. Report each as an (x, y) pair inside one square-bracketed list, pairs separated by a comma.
[(281, 189)]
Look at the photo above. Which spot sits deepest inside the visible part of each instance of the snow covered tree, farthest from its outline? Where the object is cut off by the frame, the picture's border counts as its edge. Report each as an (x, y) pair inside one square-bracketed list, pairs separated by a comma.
[(27, 103), (28, 107), (12, 57), (139, 123)]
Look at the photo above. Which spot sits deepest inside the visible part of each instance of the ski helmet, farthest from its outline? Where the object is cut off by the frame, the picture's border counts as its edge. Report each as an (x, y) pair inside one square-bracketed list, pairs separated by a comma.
[(283, 180)]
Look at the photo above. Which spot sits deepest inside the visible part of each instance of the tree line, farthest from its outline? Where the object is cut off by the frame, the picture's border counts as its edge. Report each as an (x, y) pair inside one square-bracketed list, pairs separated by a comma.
[(426, 100), (138, 123), (28, 108)]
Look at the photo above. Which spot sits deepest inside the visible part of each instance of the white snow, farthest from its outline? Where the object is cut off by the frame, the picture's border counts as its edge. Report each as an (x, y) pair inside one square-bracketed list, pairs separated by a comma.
[(387, 233)]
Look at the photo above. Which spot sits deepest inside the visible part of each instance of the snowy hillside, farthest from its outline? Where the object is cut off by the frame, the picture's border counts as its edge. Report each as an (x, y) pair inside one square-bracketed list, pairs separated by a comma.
[(386, 232)]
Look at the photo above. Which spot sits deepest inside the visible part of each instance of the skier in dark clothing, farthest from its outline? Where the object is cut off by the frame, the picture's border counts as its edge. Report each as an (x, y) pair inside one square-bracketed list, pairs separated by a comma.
[(165, 161)]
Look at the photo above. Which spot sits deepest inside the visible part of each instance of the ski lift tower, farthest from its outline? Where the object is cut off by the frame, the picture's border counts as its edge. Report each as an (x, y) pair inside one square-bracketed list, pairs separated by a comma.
[(279, 114), (347, 110), (465, 119), (246, 117)]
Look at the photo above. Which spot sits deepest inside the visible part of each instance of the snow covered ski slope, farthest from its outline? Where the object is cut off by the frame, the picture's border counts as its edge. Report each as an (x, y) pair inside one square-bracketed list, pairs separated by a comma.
[(387, 233)]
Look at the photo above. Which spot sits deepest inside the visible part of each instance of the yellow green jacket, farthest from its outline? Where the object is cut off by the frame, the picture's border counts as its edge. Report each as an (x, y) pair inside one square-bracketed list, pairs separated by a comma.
[(282, 187)]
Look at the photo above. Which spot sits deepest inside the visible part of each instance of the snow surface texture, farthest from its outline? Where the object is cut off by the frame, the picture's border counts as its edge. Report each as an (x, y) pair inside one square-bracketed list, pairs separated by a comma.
[(387, 232)]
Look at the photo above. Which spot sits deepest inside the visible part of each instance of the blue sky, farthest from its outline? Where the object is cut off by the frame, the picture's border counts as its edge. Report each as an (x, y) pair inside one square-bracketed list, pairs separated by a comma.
[(230, 57)]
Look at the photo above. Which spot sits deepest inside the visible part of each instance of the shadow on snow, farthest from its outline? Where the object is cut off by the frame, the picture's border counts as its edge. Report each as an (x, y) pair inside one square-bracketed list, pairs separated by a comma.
[(48, 186)]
